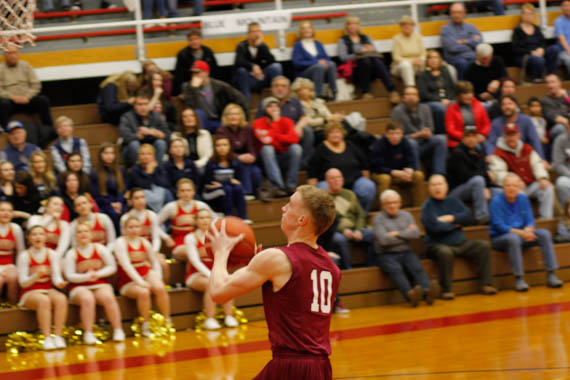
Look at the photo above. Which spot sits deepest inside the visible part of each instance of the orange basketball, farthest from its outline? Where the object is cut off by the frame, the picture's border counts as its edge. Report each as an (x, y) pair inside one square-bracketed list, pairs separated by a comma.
[(245, 249)]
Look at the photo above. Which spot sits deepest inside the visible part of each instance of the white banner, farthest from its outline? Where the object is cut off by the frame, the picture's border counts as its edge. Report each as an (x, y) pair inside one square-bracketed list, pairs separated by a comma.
[(235, 23)]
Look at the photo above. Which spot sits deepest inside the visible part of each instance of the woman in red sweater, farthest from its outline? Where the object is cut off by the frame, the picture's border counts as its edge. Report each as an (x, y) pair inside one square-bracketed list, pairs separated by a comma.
[(466, 110)]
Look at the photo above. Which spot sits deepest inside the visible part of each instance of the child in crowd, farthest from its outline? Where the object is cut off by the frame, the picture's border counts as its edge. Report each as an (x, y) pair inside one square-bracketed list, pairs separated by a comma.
[(103, 231), (181, 214), (58, 235), (198, 271), (38, 269), (150, 229), (140, 275), (179, 165), (67, 144), (26, 199), (535, 113), (222, 189), (87, 266), (11, 245), (42, 174)]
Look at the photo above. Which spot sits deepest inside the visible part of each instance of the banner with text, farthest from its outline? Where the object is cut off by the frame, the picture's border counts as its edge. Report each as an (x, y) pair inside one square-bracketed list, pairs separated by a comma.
[(234, 23)]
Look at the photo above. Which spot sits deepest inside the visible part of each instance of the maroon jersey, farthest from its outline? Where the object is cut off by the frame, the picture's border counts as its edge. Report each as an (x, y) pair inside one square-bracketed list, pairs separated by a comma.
[(299, 314)]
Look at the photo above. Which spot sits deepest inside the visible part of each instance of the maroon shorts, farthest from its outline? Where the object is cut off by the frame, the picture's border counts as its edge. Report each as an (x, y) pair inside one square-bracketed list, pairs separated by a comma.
[(287, 366)]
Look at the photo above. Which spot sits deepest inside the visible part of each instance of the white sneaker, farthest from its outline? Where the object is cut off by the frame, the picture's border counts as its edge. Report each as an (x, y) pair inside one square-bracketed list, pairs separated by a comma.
[(59, 342), (212, 324), (230, 321), (118, 335), (49, 344), (146, 330), (89, 339)]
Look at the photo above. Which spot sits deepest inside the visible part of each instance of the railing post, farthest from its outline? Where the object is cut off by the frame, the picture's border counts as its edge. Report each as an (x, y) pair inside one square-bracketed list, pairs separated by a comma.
[(280, 33), (543, 13), (414, 7), (140, 49)]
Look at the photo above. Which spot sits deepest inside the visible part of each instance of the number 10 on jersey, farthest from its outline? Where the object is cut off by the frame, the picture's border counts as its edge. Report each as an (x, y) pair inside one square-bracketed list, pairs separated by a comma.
[(322, 291)]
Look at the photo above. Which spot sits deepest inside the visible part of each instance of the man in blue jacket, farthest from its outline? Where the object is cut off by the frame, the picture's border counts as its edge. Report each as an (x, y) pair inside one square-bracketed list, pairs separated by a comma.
[(443, 218), (513, 228)]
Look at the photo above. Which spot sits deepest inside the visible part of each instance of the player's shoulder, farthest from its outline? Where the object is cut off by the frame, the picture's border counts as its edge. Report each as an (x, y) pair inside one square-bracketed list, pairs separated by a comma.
[(272, 259)]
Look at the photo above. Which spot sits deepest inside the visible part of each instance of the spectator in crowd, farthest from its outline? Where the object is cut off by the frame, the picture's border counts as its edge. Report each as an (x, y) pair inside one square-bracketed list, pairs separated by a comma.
[(511, 115), (26, 199), (185, 58), (351, 218), (67, 144), (555, 105), (466, 110), (150, 177), (158, 99), (436, 87), (149, 68), (336, 152), (18, 151), (563, 228), (69, 190), (117, 96), (417, 122), (149, 5), (444, 218), (469, 177), (459, 39), (255, 65), (486, 73), (539, 122), (529, 45), (108, 184), (392, 162), (242, 140), (48, 6), (200, 146), (20, 92), (222, 189), (394, 229), (7, 175), (42, 174), (210, 95), (74, 163), (142, 126), (513, 228), (508, 87), (312, 61), (291, 108), (355, 48), (179, 165), (278, 146), (561, 165), (408, 52), (512, 155), (559, 53)]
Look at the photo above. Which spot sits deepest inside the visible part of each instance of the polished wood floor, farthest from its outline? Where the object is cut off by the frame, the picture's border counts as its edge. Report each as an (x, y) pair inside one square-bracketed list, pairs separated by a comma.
[(508, 336)]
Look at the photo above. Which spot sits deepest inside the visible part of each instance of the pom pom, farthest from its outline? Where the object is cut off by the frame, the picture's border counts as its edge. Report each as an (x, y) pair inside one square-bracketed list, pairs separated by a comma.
[(219, 315)]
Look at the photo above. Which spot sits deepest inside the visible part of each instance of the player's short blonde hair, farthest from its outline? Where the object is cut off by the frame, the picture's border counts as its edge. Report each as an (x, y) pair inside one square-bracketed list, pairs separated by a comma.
[(321, 206)]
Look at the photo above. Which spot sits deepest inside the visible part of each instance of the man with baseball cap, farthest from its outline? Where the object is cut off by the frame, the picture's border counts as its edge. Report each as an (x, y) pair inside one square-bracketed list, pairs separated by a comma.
[(512, 155), (18, 151), (469, 176), (210, 95)]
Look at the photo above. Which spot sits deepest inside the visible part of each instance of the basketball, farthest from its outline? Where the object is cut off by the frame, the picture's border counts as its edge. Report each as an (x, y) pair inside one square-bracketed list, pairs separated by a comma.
[(245, 249)]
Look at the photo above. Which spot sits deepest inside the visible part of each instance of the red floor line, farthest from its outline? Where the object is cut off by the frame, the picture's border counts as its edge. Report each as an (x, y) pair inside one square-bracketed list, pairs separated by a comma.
[(363, 332)]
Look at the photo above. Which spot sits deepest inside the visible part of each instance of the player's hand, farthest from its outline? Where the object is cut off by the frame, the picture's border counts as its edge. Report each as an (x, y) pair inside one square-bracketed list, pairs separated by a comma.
[(169, 242), (61, 285), (222, 244)]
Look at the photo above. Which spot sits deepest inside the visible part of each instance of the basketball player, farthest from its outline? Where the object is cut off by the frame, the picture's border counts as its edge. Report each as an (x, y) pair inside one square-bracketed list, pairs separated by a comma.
[(299, 284)]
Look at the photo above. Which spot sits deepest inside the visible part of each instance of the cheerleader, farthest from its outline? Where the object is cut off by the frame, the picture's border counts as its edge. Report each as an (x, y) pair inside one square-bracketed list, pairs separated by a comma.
[(102, 229), (11, 244), (86, 267), (38, 269), (181, 214), (139, 273), (58, 235), (198, 271), (149, 226)]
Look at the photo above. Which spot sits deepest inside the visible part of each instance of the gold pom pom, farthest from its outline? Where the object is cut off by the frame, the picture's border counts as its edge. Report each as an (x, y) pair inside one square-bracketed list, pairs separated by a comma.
[(220, 316), (21, 341), (159, 327)]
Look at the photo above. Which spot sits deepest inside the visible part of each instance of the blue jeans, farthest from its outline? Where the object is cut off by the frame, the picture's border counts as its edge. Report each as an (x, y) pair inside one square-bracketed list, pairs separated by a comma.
[(272, 162), (472, 190), (368, 69), (534, 65), (130, 152), (233, 199), (48, 4), (513, 245), (395, 266), (364, 188), (308, 144), (245, 82), (250, 178), (436, 147), (341, 243), (551, 55), (460, 65), (438, 113), (317, 74), (172, 8), (148, 5), (563, 189)]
